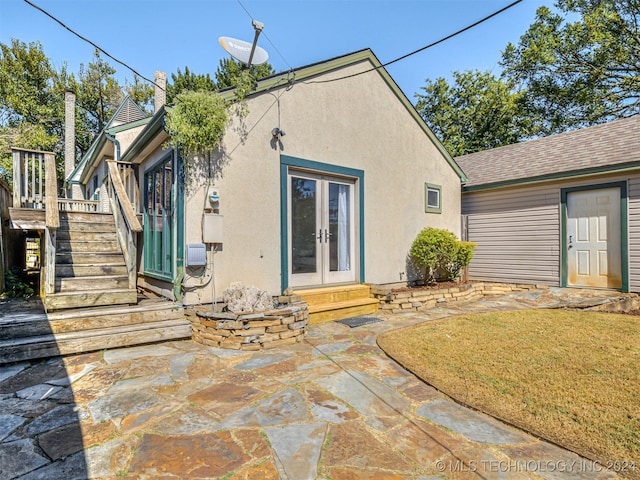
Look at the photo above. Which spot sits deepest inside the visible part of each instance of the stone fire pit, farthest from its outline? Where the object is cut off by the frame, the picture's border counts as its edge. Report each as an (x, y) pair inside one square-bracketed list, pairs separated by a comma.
[(251, 331)]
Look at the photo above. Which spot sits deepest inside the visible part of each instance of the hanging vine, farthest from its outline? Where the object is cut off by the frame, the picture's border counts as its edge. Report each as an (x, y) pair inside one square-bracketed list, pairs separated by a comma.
[(198, 120)]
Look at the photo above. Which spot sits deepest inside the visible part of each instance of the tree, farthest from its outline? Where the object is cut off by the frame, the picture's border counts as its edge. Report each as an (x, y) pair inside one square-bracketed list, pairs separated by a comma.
[(29, 116), (189, 81), (32, 101), (477, 112), (579, 66), (229, 70)]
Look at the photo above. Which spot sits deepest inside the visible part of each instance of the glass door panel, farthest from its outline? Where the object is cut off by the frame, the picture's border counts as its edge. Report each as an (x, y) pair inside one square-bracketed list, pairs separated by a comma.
[(321, 230), (305, 222), (339, 235)]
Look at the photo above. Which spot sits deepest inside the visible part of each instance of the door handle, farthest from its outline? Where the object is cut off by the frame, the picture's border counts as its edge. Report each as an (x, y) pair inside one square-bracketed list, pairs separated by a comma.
[(326, 235), (570, 242), (319, 236)]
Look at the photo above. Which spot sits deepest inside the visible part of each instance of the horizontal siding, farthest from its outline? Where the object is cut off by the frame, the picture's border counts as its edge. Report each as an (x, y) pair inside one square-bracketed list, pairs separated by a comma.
[(634, 234), (518, 235)]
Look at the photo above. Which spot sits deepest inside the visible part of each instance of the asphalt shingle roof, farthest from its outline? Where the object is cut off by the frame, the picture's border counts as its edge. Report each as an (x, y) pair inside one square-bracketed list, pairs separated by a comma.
[(612, 143)]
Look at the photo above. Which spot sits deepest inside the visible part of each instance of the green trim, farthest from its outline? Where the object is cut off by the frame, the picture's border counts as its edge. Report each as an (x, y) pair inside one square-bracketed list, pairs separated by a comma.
[(286, 162), (615, 168), (155, 126), (427, 208), (624, 230), (288, 79), (150, 238), (180, 223)]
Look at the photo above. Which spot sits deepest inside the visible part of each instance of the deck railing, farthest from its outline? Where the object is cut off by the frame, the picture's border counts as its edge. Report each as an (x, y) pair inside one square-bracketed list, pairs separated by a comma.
[(52, 222), (127, 223)]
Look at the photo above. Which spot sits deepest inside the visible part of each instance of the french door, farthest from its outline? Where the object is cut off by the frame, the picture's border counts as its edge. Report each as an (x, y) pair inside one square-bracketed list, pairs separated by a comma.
[(322, 234)]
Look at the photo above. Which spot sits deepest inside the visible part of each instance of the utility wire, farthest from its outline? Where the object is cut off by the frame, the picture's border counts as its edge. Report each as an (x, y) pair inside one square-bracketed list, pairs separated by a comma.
[(93, 44), (266, 36), (444, 39)]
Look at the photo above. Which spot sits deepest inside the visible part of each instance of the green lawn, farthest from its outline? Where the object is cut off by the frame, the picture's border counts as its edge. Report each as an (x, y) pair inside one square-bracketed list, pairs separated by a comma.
[(572, 377)]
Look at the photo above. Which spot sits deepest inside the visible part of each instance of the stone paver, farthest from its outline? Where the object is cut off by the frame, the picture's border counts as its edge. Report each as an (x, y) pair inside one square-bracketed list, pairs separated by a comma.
[(334, 406)]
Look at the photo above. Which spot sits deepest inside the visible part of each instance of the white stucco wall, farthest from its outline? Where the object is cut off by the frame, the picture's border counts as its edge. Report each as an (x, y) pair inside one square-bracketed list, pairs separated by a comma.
[(357, 123)]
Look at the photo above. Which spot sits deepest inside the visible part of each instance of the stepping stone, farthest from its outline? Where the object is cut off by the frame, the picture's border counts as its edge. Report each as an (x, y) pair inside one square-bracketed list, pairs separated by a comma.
[(298, 448), (475, 427)]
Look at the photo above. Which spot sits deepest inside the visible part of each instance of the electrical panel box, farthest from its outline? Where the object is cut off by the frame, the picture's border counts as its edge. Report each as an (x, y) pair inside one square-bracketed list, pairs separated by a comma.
[(212, 228), (196, 255)]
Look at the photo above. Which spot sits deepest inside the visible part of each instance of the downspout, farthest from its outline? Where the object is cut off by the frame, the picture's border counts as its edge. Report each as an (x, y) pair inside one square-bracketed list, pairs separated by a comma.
[(115, 141)]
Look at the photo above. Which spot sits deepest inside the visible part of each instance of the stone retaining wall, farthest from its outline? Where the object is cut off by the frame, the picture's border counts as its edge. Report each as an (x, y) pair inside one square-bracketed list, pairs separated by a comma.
[(251, 331), (423, 299)]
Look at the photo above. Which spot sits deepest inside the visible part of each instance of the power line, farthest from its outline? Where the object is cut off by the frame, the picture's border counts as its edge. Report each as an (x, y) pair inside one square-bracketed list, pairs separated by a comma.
[(266, 36), (437, 42), (93, 44)]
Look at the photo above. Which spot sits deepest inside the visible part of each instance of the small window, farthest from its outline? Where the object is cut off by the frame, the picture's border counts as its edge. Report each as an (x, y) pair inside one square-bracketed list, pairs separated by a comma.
[(432, 200)]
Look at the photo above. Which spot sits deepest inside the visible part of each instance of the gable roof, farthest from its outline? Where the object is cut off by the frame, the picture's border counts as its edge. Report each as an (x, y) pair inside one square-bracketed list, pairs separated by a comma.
[(289, 78), (601, 148), (128, 115)]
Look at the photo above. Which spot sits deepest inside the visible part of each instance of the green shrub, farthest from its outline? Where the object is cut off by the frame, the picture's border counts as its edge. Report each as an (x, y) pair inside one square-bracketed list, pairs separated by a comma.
[(15, 286), (440, 254)]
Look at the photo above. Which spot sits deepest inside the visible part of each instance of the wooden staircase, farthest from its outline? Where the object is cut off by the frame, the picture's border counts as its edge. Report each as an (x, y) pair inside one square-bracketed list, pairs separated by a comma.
[(27, 333), (90, 268), (327, 304)]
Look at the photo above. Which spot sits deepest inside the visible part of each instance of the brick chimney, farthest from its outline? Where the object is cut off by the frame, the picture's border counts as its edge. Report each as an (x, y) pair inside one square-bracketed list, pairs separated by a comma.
[(160, 79), (69, 132)]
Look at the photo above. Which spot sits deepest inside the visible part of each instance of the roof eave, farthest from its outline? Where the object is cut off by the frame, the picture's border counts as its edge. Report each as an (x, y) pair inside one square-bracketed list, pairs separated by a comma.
[(616, 168)]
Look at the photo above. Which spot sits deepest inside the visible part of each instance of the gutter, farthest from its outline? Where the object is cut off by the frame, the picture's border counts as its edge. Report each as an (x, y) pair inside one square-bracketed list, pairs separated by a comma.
[(115, 141)]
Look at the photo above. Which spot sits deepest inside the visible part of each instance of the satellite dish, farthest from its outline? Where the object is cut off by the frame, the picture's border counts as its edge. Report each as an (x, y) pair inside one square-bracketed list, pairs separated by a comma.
[(241, 51), (245, 52)]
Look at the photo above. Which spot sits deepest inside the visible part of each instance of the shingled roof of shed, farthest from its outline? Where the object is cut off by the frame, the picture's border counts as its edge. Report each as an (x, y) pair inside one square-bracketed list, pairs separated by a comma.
[(609, 146)]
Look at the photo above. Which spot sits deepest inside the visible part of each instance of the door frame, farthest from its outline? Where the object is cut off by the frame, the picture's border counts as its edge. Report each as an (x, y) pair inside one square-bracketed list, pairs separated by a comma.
[(624, 229), (319, 168)]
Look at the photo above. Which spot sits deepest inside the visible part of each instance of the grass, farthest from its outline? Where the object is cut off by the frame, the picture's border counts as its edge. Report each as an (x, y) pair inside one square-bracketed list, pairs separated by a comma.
[(568, 376)]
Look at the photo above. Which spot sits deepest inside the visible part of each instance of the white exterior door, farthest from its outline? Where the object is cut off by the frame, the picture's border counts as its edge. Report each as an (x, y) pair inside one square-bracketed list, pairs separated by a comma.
[(593, 238), (321, 229)]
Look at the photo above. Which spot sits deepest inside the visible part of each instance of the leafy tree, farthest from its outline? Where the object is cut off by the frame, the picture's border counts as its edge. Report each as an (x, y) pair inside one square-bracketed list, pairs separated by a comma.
[(229, 70), (477, 112), (189, 81), (98, 96), (29, 88), (141, 93), (580, 65)]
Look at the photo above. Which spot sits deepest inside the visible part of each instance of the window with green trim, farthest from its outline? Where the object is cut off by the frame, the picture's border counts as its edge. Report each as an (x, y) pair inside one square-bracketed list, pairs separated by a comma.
[(158, 220), (432, 198)]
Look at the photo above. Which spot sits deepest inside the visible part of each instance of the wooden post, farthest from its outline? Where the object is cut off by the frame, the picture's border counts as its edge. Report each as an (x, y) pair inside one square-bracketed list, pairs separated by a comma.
[(17, 178)]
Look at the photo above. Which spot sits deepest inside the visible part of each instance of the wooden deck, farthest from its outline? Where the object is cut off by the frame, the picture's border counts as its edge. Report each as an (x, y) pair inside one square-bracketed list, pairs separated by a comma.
[(28, 332), (327, 304)]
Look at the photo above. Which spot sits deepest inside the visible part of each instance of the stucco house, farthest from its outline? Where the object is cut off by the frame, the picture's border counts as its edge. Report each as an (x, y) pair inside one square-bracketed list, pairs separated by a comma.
[(561, 211), (323, 185)]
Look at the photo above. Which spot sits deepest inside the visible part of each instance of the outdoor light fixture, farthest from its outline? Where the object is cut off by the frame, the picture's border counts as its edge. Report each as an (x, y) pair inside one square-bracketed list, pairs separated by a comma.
[(277, 133)]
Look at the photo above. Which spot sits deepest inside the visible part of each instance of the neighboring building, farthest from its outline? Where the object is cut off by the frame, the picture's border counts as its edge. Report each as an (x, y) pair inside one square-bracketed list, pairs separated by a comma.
[(562, 210), (326, 182)]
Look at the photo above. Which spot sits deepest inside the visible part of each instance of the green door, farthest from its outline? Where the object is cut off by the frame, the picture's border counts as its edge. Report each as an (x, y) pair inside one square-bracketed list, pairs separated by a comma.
[(158, 220)]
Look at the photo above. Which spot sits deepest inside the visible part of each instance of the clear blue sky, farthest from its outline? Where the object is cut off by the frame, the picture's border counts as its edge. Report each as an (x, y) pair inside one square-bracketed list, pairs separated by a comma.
[(168, 35)]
